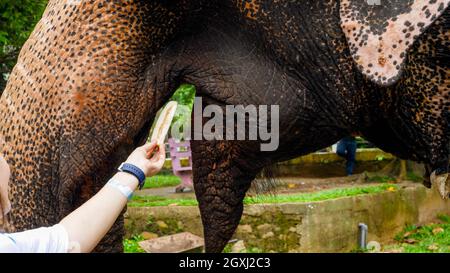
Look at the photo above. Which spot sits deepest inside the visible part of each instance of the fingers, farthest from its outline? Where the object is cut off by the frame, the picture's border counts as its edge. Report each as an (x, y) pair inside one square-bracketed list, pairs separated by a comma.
[(149, 147), (160, 154), (162, 151)]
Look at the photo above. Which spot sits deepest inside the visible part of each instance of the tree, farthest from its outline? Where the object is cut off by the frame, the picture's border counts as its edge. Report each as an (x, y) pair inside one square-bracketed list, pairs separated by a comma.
[(17, 20)]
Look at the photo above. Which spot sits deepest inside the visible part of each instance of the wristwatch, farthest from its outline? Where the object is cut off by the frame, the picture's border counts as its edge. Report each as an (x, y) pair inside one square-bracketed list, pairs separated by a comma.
[(133, 170)]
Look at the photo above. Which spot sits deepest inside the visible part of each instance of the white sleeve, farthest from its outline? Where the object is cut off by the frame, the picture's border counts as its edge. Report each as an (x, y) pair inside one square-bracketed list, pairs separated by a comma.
[(42, 240)]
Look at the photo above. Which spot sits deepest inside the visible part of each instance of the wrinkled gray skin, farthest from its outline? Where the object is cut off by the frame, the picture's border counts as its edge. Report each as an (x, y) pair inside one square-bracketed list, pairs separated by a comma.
[(90, 79)]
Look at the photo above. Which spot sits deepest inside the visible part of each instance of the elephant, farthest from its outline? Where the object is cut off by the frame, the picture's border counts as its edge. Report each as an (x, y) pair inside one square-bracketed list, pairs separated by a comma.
[(93, 74)]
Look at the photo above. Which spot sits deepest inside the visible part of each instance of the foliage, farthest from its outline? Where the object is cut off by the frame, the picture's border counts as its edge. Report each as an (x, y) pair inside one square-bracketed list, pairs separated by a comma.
[(160, 181), (361, 143), (185, 96), (17, 20)]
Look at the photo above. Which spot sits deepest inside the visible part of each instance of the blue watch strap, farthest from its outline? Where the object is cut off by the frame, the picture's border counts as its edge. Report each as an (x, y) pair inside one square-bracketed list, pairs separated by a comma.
[(136, 171)]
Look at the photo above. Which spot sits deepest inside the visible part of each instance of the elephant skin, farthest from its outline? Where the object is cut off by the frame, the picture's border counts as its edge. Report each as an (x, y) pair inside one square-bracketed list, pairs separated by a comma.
[(92, 75)]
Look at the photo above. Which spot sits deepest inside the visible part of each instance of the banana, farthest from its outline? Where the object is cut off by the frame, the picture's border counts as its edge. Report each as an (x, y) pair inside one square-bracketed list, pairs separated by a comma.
[(164, 121)]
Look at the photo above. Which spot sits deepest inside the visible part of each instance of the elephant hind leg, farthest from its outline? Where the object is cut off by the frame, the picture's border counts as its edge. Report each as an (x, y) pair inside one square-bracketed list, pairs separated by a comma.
[(421, 112), (221, 181)]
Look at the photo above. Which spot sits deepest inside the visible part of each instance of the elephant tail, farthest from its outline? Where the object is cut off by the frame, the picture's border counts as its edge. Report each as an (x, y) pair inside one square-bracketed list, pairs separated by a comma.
[(266, 182)]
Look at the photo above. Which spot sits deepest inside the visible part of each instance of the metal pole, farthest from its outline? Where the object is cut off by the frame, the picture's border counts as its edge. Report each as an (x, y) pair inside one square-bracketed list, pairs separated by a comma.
[(362, 235)]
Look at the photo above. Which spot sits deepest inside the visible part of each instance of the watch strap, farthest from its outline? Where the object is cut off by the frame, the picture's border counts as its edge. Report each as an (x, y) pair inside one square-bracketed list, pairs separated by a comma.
[(136, 171)]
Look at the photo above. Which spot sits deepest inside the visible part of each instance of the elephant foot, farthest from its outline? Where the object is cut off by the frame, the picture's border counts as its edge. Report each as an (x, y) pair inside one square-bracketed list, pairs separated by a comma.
[(441, 183)]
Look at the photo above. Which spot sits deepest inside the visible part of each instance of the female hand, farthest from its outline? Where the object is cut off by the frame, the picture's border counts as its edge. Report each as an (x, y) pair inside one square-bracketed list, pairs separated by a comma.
[(5, 205), (148, 162)]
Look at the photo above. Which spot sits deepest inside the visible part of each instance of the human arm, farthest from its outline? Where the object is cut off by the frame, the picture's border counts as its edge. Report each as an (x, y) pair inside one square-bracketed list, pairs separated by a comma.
[(5, 205), (101, 211)]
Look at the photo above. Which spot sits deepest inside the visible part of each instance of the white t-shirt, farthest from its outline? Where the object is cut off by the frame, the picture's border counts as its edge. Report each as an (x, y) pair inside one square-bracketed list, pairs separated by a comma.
[(42, 240)]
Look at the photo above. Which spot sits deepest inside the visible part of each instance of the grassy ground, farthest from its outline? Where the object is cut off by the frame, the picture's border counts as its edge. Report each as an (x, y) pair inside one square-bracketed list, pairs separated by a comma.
[(131, 245), (160, 181), (319, 196), (159, 201), (432, 238), (228, 249), (155, 201)]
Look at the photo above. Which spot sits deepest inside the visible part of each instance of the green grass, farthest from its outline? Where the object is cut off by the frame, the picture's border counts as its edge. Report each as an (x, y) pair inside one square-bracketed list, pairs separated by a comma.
[(411, 176), (159, 201), (154, 201), (131, 245), (382, 179), (228, 249), (318, 196), (160, 181), (425, 239), (432, 238)]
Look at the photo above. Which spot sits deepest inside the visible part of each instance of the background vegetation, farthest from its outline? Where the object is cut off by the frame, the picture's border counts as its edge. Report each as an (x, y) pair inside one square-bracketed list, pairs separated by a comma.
[(17, 20)]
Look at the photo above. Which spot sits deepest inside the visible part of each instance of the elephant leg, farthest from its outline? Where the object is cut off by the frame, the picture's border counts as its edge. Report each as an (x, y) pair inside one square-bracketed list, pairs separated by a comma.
[(427, 177), (81, 181), (222, 176), (418, 113), (427, 85), (442, 184), (440, 180)]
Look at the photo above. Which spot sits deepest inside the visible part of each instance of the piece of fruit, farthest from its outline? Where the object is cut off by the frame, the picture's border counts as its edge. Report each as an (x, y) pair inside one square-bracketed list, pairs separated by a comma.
[(164, 121)]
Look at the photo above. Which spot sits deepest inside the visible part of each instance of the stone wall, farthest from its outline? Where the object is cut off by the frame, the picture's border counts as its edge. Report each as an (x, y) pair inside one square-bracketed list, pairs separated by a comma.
[(325, 226), (329, 164), (325, 164)]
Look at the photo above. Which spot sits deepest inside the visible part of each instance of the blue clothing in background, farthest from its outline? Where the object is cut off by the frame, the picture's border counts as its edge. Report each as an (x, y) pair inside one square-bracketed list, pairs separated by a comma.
[(346, 148)]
